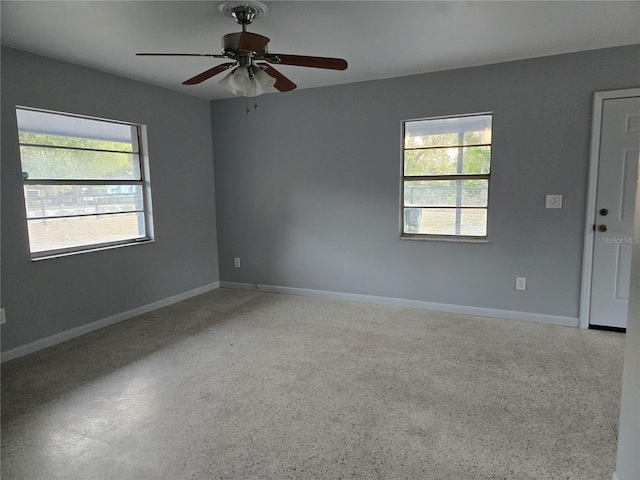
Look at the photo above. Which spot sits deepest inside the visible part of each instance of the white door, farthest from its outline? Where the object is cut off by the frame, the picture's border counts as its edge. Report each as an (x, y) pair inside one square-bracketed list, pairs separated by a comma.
[(615, 200)]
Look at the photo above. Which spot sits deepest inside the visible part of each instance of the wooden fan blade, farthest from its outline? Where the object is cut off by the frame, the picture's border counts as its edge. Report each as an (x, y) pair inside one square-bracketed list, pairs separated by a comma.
[(282, 84), (305, 61), (212, 55), (252, 42), (208, 74)]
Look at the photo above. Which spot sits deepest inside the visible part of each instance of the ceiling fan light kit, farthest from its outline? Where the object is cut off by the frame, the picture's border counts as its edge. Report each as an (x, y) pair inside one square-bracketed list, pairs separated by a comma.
[(245, 49), (249, 83)]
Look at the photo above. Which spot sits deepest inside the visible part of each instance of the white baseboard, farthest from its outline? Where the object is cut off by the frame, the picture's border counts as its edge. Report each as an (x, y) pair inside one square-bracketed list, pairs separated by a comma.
[(402, 302), (105, 322), (398, 302)]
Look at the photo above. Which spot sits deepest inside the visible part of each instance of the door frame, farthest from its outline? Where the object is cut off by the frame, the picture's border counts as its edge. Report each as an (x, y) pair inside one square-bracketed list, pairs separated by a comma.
[(592, 190)]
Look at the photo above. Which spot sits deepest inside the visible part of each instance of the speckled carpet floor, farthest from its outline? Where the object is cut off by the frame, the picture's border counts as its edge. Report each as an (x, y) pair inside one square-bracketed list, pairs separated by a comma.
[(250, 385)]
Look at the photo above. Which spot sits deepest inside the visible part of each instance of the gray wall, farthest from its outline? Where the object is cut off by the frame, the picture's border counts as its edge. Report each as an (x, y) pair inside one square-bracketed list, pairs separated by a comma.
[(51, 296), (308, 189)]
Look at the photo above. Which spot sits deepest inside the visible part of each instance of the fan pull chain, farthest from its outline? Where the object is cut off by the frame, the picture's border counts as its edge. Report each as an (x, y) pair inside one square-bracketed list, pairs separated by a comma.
[(255, 95)]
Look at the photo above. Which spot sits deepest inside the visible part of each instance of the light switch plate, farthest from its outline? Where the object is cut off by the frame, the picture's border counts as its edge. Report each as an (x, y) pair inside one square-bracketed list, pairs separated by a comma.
[(553, 201)]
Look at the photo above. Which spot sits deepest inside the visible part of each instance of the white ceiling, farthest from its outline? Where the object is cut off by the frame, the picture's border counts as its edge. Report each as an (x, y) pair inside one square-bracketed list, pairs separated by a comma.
[(379, 39)]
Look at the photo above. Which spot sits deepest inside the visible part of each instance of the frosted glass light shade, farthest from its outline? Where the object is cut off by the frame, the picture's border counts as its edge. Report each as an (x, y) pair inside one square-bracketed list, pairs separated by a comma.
[(240, 80), (226, 83), (264, 80)]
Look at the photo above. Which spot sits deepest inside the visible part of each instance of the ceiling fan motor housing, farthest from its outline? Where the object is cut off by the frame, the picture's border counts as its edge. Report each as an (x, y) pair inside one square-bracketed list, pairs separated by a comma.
[(244, 45), (232, 45)]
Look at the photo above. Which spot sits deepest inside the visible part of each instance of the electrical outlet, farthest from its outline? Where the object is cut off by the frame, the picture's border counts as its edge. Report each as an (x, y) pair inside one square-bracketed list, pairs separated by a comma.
[(236, 262), (3, 316), (553, 201), (521, 283)]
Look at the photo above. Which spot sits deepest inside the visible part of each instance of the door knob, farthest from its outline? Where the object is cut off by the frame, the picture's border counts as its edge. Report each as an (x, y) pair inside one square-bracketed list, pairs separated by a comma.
[(602, 228)]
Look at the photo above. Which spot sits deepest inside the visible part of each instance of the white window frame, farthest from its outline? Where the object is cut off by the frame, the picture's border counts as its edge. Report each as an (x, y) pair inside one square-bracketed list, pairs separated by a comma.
[(139, 139), (404, 178)]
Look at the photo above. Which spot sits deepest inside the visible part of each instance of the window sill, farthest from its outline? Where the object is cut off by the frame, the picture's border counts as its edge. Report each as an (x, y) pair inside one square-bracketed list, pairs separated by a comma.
[(142, 241), (435, 238)]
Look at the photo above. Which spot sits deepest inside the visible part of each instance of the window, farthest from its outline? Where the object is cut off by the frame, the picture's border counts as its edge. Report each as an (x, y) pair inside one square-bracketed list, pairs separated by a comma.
[(86, 185), (445, 181)]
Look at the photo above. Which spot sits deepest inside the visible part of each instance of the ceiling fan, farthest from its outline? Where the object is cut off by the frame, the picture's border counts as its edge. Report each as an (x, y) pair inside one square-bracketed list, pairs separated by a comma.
[(248, 51)]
